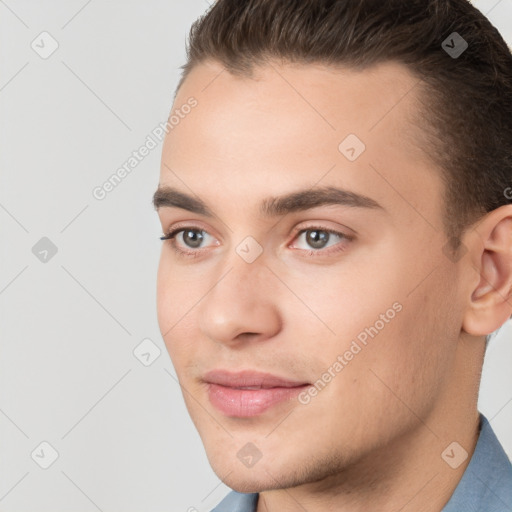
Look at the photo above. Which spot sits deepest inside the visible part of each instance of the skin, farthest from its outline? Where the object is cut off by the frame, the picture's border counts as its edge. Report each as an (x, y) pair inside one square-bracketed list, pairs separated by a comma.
[(373, 437)]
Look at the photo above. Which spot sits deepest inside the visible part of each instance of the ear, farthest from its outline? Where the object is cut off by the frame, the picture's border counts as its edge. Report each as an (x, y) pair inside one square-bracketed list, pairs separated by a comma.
[(490, 247)]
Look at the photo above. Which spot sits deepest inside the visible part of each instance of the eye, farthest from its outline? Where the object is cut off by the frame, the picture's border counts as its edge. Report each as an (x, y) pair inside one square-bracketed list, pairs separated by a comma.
[(186, 237), (318, 239)]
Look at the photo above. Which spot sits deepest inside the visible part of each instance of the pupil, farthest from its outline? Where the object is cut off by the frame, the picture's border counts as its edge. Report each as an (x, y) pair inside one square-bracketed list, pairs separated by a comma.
[(193, 238), (317, 239)]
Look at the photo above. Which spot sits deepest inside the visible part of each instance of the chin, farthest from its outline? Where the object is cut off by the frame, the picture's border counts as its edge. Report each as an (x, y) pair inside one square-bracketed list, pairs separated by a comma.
[(250, 482), (265, 475)]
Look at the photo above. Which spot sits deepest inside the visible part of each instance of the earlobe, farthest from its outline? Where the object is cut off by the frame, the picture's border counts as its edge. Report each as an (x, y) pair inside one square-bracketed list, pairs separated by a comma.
[(490, 303)]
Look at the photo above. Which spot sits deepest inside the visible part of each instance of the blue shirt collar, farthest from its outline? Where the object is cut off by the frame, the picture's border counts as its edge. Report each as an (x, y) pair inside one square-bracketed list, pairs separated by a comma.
[(486, 484)]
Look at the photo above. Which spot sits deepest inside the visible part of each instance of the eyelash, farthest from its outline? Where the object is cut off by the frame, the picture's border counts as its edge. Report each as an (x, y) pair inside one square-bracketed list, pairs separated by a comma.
[(322, 252)]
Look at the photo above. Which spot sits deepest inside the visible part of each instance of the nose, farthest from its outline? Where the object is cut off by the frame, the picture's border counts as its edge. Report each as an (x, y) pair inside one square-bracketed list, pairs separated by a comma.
[(242, 305)]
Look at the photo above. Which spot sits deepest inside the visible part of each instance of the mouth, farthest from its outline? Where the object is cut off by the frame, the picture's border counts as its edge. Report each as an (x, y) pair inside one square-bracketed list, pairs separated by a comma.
[(249, 393)]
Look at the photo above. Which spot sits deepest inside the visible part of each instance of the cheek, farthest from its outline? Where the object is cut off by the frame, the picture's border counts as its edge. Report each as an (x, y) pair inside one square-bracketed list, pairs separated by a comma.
[(163, 296), (172, 307), (412, 356), (339, 303), (174, 293), (394, 340)]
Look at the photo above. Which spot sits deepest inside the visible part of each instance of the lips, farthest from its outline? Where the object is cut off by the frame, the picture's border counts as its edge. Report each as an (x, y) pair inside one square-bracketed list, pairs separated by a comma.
[(249, 393)]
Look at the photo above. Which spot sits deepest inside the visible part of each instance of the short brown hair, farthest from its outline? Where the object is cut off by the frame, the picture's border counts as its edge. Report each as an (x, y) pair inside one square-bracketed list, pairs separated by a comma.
[(468, 98)]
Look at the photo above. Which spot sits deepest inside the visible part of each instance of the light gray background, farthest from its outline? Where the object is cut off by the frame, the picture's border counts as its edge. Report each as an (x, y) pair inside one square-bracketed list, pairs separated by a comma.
[(69, 326)]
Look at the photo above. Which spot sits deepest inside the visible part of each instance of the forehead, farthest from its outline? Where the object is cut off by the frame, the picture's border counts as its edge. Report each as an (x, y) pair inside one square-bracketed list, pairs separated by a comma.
[(292, 125)]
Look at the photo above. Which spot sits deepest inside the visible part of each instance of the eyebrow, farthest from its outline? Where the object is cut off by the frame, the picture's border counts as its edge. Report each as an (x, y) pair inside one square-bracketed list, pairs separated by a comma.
[(168, 197)]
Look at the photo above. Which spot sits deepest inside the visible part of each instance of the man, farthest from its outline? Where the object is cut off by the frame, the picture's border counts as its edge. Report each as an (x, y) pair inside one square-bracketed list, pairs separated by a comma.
[(337, 250)]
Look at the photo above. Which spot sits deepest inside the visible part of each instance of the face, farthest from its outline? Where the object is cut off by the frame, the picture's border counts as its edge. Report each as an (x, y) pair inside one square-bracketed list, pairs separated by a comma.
[(304, 297)]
